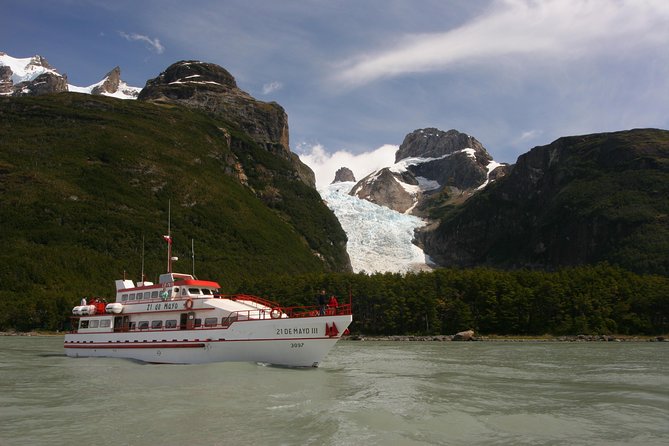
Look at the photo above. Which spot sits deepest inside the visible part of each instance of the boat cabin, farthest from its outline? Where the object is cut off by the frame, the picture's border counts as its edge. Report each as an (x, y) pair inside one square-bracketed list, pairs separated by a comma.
[(170, 286)]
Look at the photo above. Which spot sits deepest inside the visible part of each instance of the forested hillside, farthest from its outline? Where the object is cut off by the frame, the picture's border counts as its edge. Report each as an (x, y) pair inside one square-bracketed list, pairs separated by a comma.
[(83, 180), (577, 201)]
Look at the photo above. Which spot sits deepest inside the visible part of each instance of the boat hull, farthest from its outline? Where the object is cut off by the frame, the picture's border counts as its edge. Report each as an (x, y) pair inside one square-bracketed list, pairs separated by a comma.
[(294, 342)]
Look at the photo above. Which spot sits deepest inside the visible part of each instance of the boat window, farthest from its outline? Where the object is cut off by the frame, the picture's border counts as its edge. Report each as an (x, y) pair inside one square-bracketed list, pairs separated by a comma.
[(197, 322), (206, 291), (193, 291), (147, 295), (176, 290), (132, 325), (83, 324), (94, 324), (172, 323), (105, 323), (210, 321), (156, 324), (124, 297), (131, 296), (143, 325), (154, 295), (184, 291)]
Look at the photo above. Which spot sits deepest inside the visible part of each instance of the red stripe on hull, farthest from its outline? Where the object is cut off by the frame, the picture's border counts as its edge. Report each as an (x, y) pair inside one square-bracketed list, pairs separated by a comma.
[(135, 345)]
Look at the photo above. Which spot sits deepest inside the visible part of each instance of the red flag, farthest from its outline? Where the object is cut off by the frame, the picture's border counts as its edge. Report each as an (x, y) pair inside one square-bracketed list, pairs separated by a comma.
[(168, 239)]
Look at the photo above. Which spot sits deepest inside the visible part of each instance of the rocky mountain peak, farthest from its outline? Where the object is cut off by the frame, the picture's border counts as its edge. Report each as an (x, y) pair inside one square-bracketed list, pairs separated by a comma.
[(434, 143), (430, 163), (211, 88), (110, 83), (343, 174), (193, 74), (40, 61), (29, 76)]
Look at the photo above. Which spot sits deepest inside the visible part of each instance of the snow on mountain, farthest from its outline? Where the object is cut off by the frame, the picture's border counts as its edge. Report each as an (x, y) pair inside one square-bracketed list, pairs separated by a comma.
[(27, 70), (124, 90), (379, 239), (424, 184), (492, 165)]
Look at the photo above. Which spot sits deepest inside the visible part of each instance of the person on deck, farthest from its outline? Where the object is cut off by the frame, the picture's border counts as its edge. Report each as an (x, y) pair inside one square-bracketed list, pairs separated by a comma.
[(322, 301), (333, 304)]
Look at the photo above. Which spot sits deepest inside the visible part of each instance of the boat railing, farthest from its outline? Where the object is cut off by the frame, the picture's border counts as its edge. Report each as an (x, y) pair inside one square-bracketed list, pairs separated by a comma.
[(249, 299), (275, 311)]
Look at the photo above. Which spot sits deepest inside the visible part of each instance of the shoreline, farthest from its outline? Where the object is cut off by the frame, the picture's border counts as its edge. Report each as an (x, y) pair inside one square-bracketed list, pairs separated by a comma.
[(32, 333), (443, 338), (511, 338)]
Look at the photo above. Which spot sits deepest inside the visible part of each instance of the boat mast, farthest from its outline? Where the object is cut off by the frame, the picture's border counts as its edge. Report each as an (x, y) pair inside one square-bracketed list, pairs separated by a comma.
[(192, 253), (142, 258), (168, 237)]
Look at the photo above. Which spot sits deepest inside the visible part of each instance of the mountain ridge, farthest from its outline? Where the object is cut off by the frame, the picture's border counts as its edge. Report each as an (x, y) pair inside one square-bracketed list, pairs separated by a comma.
[(35, 76), (579, 200)]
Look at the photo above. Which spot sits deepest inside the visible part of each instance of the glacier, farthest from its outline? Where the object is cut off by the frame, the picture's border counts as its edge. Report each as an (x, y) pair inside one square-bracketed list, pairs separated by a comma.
[(379, 239)]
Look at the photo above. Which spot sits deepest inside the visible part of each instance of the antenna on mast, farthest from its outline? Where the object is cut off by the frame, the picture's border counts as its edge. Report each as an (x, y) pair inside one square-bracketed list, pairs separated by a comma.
[(142, 276), (192, 253), (168, 237)]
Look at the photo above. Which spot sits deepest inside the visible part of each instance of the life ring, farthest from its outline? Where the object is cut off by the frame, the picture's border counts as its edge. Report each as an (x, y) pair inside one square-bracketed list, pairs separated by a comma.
[(189, 304), (275, 313)]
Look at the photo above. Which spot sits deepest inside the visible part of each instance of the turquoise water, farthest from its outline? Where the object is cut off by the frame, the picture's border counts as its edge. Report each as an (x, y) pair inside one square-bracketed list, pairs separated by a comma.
[(371, 393)]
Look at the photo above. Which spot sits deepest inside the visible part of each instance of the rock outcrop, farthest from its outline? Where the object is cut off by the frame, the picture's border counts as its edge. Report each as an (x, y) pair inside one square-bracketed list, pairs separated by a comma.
[(467, 335), (6, 83), (343, 175), (209, 87), (397, 191), (45, 83), (430, 163)]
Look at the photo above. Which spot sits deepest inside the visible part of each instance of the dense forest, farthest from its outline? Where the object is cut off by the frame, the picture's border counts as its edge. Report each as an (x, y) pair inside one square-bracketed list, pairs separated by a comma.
[(598, 299)]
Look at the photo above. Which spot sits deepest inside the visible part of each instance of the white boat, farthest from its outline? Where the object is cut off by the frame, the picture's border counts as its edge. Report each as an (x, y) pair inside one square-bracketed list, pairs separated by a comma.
[(183, 320)]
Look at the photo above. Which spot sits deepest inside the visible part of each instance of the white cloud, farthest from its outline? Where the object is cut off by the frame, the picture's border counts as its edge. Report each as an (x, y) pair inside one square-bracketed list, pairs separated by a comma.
[(511, 30), (271, 87), (528, 135), (154, 44), (325, 164)]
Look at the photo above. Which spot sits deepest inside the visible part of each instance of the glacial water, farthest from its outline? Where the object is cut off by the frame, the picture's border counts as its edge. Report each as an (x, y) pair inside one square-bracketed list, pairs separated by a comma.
[(364, 393)]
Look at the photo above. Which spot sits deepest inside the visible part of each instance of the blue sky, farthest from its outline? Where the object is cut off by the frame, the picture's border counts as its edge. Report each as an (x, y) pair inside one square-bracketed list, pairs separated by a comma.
[(355, 76)]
